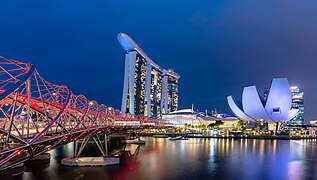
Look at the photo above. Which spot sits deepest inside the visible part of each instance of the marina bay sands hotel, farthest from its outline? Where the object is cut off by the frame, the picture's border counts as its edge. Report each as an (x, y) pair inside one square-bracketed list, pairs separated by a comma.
[(148, 89)]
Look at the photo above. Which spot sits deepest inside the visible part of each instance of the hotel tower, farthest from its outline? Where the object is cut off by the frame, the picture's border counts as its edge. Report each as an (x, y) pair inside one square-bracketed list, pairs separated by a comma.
[(148, 89)]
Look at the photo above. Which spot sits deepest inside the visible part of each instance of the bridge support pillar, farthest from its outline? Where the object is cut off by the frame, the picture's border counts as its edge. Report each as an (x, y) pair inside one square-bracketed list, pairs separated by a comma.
[(75, 148), (42, 157), (106, 145), (91, 161), (40, 161), (13, 171)]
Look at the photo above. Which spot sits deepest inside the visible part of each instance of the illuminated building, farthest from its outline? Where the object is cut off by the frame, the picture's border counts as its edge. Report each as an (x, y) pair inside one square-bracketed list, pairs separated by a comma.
[(297, 102), (172, 93), (190, 117), (276, 108), (265, 94), (148, 89)]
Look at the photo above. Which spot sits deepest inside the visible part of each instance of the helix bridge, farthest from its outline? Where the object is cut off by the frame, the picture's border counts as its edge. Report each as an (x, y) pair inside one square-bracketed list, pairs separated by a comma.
[(37, 116)]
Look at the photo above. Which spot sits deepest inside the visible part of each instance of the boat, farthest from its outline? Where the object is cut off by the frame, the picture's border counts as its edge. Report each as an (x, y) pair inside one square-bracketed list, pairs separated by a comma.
[(195, 135), (135, 141), (160, 136), (178, 138)]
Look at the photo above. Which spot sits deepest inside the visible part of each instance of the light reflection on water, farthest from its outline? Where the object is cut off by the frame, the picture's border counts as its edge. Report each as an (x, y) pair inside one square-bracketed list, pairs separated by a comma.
[(198, 158)]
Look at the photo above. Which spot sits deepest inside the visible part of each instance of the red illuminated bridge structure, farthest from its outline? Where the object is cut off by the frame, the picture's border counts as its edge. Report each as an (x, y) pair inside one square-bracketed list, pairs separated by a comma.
[(37, 116)]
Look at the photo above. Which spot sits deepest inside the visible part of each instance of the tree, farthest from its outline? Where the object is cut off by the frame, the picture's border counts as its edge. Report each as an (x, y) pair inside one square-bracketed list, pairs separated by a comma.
[(211, 125), (219, 122), (241, 124), (215, 124)]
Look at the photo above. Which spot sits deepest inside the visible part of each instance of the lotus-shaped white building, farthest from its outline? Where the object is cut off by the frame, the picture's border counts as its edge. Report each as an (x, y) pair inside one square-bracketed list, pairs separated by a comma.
[(276, 108)]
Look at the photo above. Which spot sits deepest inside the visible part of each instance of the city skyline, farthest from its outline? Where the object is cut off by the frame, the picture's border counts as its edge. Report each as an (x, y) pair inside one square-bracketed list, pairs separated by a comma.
[(211, 44)]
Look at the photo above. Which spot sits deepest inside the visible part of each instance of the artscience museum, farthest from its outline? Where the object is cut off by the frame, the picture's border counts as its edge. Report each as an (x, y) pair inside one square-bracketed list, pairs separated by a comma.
[(275, 108)]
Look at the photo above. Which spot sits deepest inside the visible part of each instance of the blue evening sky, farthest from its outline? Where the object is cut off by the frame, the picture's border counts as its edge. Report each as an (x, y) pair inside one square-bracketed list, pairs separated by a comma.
[(217, 46)]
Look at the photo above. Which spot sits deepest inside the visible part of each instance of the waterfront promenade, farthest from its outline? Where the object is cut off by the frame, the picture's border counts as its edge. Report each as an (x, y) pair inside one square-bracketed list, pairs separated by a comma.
[(197, 135)]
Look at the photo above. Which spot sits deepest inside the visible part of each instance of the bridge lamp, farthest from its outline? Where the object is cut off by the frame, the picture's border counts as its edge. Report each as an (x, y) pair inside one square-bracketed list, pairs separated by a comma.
[(54, 94), (91, 103), (19, 153)]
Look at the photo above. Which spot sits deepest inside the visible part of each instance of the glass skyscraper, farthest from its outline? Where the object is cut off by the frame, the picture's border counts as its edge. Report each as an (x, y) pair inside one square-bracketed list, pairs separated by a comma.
[(297, 102)]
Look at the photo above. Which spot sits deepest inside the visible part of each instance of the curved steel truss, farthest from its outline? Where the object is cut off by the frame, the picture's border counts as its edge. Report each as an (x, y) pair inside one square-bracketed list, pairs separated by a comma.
[(37, 116)]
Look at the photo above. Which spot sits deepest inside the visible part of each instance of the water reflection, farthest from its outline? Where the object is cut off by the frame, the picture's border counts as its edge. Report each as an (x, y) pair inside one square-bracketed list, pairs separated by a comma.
[(212, 164), (199, 158), (295, 170)]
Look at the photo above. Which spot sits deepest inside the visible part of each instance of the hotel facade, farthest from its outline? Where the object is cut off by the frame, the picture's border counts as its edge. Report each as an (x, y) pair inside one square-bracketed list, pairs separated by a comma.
[(148, 89)]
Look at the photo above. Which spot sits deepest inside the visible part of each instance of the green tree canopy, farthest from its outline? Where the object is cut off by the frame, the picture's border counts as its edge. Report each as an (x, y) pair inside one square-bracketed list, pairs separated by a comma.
[(241, 123)]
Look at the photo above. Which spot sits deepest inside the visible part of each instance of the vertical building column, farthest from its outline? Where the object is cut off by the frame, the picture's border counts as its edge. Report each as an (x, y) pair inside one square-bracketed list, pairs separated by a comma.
[(125, 86), (131, 59), (148, 89), (164, 98), (128, 84)]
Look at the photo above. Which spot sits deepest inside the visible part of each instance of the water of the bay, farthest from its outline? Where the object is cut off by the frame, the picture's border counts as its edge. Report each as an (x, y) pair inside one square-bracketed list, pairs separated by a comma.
[(197, 159)]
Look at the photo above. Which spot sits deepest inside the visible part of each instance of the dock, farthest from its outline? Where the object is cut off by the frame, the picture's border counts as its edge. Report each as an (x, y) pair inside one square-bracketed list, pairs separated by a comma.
[(90, 161)]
